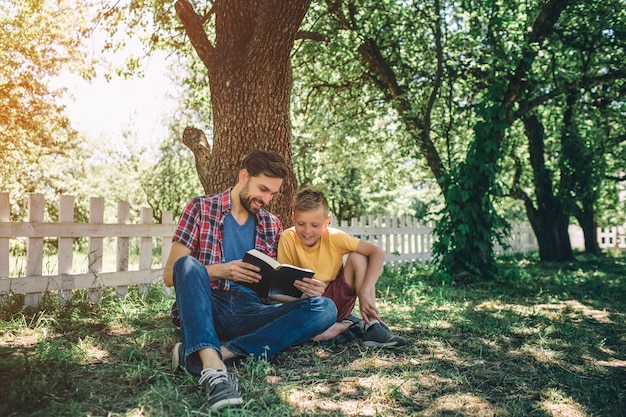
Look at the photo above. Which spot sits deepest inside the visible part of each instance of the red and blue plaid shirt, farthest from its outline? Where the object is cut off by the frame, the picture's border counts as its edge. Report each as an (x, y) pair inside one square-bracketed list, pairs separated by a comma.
[(201, 229)]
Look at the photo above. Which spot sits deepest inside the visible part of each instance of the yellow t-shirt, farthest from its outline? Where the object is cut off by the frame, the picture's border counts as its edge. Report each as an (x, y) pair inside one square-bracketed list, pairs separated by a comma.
[(325, 257)]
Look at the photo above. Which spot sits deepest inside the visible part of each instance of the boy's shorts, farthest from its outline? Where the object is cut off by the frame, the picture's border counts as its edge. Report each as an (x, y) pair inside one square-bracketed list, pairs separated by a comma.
[(342, 295)]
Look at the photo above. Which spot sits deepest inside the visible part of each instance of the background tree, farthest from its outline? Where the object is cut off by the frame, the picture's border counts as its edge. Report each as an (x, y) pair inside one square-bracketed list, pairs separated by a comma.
[(172, 181), (352, 153), (459, 77), (583, 66), (246, 49), (40, 150), (448, 73)]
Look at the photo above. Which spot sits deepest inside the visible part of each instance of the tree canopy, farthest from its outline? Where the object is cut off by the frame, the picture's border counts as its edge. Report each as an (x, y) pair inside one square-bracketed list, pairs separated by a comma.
[(498, 107), (38, 41)]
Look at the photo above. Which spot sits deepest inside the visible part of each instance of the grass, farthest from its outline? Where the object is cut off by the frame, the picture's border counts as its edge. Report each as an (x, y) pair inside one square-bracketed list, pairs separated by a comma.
[(542, 340)]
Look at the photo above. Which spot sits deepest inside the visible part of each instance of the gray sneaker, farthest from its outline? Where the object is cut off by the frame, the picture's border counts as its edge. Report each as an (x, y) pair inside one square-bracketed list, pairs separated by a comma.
[(178, 356), (222, 389), (378, 335)]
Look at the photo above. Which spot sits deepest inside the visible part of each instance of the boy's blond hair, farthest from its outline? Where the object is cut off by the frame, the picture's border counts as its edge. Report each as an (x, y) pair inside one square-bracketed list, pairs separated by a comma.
[(310, 199)]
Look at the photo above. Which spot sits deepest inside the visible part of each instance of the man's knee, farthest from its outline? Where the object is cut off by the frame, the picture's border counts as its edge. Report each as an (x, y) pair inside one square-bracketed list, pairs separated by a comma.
[(324, 309), (188, 266), (187, 261)]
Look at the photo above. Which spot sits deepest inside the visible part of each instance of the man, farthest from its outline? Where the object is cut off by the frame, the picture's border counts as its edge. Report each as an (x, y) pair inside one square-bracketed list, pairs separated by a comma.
[(220, 319)]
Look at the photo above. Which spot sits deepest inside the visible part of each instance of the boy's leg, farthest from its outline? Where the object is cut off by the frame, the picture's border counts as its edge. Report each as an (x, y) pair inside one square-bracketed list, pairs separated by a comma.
[(344, 297), (376, 334), (354, 270)]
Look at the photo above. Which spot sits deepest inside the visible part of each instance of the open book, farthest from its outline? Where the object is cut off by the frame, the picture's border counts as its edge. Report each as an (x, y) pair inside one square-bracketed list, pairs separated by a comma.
[(277, 278)]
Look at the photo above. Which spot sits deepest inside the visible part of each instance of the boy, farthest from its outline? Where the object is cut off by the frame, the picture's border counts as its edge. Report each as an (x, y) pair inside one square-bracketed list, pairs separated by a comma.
[(310, 243)]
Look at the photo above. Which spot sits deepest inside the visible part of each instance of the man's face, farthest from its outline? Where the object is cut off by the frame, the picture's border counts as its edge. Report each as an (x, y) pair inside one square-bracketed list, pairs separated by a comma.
[(258, 192)]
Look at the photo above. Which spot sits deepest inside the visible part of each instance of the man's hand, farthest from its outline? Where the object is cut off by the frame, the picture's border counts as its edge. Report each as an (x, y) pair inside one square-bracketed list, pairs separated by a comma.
[(310, 287), (237, 271)]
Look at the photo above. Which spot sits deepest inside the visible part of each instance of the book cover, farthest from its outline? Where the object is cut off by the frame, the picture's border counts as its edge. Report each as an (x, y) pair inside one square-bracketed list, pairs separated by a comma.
[(277, 278)]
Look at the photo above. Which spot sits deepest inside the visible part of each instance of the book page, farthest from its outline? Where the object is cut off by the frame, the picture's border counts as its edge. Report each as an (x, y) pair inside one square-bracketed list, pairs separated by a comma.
[(267, 259)]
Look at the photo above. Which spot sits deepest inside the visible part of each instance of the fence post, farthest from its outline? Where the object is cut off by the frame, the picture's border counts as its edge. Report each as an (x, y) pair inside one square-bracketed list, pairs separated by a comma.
[(66, 250), (4, 241), (145, 249), (123, 246), (34, 250), (167, 217), (96, 216)]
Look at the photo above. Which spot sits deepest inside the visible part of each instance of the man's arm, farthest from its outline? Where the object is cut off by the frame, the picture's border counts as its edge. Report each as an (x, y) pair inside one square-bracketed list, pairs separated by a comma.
[(237, 271), (177, 251)]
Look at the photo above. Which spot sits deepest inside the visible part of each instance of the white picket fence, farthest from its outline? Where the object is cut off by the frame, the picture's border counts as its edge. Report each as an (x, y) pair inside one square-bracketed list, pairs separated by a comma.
[(64, 278), (404, 239)]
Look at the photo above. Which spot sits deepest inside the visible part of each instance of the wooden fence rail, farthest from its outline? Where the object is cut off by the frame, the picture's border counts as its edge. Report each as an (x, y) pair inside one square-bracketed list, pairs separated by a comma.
[(34, 283), (404, 239)]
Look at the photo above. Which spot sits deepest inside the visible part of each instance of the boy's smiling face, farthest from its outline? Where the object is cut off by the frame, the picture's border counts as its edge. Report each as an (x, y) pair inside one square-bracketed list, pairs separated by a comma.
[(310, 224)]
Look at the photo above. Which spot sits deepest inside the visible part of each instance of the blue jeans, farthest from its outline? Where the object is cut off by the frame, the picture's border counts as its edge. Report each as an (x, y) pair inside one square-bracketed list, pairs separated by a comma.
[(238, 318)]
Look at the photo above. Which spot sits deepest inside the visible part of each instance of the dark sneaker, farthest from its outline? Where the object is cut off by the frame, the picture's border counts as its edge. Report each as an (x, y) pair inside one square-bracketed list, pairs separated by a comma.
[(178, 357), (355, 331), (353, 319), (174, 315), (378, 335), (222, 389)]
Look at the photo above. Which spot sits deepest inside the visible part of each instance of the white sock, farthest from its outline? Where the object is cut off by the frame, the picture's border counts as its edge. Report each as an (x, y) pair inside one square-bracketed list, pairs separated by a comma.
[(372, 322)]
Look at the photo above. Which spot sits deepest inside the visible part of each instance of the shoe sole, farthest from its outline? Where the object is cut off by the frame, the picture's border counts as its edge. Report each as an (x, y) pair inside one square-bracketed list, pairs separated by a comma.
[(176, 365), (227, 402), (372, 344)]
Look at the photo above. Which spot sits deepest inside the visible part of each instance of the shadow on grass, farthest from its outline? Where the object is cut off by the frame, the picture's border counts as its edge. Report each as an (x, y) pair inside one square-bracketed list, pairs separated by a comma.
[(544, 340)]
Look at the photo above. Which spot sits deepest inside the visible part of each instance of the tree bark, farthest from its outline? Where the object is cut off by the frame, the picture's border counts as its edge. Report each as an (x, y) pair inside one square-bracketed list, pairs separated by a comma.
[(250, 79), (550, 227), (586, 220), (548, 220)]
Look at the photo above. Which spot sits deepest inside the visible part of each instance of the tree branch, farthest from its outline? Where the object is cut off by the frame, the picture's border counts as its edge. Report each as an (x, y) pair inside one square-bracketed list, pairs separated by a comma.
[(528, 105), (196, 140), (542, 26), (193, 24), (313, 36)]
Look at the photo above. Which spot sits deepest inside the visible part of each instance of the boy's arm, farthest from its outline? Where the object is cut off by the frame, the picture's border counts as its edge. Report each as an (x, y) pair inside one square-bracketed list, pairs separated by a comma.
[(367, 291)]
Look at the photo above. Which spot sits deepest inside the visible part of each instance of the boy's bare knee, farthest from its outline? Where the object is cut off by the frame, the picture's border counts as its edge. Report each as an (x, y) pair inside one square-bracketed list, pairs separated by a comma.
[(356, 259)]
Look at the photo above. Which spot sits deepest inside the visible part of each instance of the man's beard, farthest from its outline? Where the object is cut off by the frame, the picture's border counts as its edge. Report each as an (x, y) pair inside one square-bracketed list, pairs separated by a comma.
[(246, 200)]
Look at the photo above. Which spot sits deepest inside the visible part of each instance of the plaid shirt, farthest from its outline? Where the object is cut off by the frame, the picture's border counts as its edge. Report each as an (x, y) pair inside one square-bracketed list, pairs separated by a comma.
[(201, 229)]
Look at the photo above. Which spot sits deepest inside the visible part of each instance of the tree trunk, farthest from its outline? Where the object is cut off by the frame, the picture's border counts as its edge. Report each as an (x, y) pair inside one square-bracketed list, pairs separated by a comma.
[(250, 81), (548, 220), (551, 229), (580, 173), (586, 220)]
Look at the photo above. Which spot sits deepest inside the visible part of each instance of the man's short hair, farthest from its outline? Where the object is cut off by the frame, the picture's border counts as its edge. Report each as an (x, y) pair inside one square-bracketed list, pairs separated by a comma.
[(272, 164), (310, 199)]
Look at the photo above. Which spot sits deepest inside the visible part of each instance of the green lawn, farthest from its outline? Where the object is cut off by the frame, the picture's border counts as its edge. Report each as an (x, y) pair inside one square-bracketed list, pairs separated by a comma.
[(544, 340)]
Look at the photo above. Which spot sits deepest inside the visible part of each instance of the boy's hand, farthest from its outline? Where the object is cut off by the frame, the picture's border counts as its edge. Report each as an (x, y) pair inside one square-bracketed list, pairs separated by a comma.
[(367, 307), (310, 287)]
